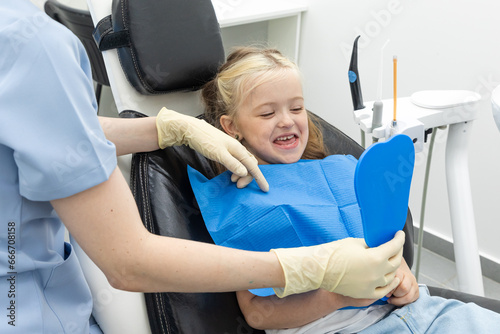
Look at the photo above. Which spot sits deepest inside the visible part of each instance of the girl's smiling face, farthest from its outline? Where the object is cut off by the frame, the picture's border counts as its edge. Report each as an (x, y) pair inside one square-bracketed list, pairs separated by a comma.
[(271, 122)]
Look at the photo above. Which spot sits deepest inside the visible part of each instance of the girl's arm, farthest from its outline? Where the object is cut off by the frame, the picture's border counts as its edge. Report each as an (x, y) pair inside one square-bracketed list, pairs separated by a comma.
[(298, 310), (292, 311)]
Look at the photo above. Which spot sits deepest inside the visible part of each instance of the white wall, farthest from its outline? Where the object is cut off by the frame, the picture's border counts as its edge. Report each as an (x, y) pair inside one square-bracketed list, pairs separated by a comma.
[(440, 45)]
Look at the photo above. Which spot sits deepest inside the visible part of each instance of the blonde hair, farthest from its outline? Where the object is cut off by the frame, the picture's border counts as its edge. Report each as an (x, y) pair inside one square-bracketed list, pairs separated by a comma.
[(245, 69)]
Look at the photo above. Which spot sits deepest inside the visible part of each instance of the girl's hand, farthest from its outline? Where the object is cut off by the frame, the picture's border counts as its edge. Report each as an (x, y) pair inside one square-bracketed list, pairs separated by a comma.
[(407, 291)]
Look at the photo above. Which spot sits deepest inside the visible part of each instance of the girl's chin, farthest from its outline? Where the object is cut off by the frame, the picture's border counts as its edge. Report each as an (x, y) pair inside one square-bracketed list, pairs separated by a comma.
[(284, 159), (279, 157)]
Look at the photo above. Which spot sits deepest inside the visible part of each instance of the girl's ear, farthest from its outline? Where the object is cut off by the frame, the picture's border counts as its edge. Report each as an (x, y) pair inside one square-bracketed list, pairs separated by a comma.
[(229, 126)]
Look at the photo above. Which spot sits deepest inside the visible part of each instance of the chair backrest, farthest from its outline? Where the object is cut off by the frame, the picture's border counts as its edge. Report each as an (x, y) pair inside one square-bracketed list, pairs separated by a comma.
[(80, 23), (168, 207)]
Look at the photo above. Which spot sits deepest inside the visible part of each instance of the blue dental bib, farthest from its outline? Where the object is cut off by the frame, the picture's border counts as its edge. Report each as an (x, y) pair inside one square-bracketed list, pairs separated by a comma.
[(312, 201), (309, 202)]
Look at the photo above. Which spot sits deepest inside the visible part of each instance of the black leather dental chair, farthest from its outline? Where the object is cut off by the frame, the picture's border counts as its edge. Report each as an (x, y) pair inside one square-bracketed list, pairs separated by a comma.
[(168, 207)]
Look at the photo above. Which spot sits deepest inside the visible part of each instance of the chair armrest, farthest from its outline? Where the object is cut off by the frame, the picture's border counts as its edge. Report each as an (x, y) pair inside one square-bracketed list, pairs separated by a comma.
[(488, 303)]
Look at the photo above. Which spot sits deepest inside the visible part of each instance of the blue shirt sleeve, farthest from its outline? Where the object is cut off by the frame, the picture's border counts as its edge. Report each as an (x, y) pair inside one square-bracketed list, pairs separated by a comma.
[(49, 111)]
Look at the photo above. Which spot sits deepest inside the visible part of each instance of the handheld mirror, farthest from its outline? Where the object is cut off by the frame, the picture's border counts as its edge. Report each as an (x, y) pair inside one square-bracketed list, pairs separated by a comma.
[(382, 182)]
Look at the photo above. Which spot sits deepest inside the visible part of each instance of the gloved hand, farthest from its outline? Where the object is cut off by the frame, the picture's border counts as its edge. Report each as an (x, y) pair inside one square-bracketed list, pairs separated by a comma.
[(348, 267), (178, 129)]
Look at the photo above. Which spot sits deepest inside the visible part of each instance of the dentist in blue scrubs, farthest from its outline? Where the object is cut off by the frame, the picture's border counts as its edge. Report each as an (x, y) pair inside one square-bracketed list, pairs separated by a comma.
[(54, 155), (58, 164)]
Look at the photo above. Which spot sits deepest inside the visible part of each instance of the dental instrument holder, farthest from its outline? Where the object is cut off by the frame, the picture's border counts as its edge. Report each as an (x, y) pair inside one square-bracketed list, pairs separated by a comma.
[(427, 110), (378, 111)]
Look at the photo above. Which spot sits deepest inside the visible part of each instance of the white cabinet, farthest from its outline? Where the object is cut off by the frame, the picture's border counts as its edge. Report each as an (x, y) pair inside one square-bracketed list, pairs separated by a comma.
[(273, 23)]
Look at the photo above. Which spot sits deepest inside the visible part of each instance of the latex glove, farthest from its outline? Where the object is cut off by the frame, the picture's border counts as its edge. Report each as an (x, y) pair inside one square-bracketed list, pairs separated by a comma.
[(348, 267), (178, 129)]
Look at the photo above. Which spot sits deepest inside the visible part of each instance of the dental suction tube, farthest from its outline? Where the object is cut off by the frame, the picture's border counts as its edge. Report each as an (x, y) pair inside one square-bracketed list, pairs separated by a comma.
[(378, 106)]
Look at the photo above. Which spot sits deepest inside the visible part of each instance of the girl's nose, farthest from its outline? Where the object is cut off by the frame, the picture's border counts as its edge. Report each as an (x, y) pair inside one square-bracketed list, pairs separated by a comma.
[(286, 121)]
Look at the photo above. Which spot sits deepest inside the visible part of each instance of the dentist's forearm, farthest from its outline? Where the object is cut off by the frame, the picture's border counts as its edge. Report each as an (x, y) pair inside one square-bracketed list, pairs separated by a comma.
[(187, 266), (131, 135), (105, 222)]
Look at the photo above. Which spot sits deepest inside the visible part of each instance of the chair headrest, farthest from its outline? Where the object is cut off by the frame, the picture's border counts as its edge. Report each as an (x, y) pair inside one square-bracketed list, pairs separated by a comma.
[(163, 46)]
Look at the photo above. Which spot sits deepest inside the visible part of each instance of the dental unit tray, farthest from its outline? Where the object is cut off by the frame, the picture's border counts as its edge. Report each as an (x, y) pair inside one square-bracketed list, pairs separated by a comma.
[(416, 117), (421, 111), (382, 181)]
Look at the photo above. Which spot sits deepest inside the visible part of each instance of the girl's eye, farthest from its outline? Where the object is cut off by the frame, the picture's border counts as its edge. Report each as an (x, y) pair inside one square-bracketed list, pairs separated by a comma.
[(297, 109), (267, 114)]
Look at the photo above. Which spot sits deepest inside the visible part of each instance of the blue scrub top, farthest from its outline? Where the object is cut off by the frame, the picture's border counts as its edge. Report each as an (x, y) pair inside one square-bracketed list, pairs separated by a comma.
[(51, 146)]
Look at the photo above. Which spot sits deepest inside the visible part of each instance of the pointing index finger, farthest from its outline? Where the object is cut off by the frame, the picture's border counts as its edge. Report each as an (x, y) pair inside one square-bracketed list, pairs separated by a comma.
[(253, 168)]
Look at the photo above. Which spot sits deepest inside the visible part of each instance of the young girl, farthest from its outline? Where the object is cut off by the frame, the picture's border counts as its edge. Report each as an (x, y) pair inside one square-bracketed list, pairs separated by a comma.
[(257, 98)]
